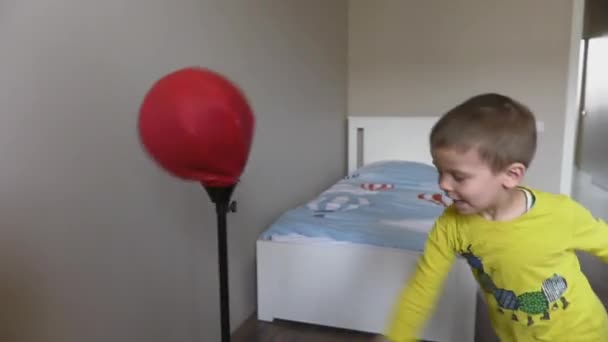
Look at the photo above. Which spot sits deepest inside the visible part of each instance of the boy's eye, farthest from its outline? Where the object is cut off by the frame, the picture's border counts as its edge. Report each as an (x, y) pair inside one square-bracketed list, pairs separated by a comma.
[(460, 178)]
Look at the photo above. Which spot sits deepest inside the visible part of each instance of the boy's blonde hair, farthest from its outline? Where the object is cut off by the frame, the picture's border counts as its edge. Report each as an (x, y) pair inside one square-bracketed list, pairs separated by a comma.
[(501, 129)]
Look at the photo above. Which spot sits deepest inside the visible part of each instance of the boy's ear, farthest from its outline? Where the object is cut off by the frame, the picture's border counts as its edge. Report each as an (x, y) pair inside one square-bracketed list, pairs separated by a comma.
[(513, 175)]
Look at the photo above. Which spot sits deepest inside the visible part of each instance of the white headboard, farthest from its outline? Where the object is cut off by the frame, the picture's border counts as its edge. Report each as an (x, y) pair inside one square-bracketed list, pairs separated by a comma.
[(377, 138)]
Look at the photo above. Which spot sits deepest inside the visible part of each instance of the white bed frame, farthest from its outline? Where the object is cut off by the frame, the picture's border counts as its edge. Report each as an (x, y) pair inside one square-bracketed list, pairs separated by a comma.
[(355, 286)]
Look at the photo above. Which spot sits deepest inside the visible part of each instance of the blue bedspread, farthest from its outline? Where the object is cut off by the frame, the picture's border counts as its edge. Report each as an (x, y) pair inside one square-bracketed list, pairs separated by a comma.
[(389, 204)]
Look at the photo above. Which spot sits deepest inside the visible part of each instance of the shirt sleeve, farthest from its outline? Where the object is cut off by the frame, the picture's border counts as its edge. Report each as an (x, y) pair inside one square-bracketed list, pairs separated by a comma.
[(590, 234), (418, 297)]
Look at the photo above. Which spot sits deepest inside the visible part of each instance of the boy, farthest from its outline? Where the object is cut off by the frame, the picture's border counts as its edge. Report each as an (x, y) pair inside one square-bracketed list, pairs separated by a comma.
[(520, 242)]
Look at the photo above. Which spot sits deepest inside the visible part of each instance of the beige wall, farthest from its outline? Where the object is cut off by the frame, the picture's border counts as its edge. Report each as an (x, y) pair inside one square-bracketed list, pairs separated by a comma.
[(96, 243), (410, 57)]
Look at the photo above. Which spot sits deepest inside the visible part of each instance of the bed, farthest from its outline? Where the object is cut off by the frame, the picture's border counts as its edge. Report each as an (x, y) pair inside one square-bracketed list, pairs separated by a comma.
[(341, 259)]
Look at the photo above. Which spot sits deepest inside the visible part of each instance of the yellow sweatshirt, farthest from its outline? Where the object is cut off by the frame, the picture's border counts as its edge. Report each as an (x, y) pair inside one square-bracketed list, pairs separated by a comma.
[(527, 269)]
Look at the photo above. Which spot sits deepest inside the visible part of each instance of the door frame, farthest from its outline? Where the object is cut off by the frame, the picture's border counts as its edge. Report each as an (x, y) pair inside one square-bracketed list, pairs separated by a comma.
[(573, 91)]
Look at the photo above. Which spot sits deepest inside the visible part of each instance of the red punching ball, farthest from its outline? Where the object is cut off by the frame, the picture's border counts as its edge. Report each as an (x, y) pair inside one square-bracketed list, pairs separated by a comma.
[(198, 126)]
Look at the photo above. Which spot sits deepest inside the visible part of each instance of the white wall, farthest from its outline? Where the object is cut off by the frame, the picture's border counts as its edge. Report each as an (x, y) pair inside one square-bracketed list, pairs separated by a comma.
[(410, 57), (96, 243)]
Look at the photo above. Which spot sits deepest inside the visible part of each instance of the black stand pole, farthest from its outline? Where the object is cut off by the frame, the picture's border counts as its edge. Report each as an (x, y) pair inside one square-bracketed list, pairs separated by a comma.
[(221, 198)]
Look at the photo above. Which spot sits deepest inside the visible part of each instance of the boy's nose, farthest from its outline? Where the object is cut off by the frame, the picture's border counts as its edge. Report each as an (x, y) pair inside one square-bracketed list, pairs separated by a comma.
[(445, 185)]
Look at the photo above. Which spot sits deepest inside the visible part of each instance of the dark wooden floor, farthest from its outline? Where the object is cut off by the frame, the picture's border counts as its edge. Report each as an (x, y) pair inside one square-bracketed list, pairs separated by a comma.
[(281, 331)]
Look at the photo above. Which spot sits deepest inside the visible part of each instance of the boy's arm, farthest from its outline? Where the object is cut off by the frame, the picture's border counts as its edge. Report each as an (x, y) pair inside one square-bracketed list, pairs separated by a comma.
[(417, 299), (590, 234)]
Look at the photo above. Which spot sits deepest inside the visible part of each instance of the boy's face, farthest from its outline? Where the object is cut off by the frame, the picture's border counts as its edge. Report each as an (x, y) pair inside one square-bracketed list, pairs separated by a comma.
[(469, 181)]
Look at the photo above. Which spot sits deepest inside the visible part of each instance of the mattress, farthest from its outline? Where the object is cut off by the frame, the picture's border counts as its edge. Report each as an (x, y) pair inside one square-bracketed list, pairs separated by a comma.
[(388, 204)]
